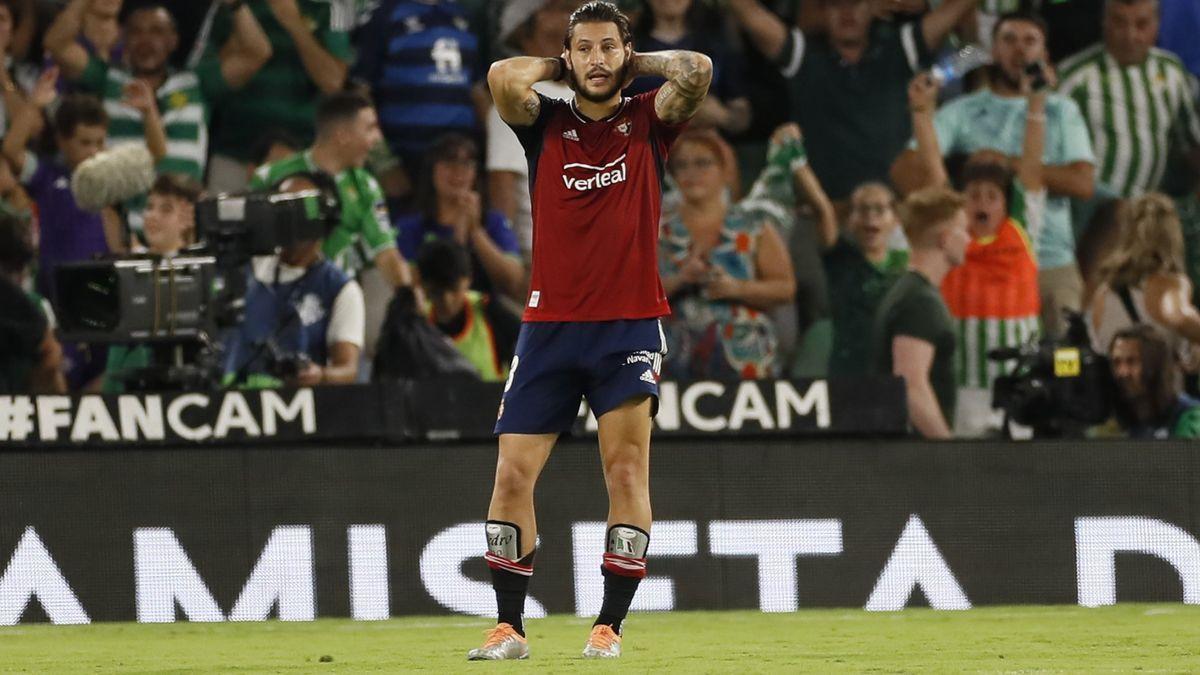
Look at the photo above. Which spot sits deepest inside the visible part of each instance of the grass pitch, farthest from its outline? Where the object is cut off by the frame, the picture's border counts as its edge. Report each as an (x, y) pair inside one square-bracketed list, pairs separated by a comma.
[(1164, 638)]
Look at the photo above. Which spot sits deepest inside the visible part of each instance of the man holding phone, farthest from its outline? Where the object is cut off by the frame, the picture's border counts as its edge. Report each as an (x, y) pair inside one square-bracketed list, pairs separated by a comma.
[(991, 122)]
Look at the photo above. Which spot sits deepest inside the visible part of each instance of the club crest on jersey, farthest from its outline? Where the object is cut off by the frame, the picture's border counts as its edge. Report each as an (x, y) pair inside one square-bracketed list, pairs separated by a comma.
[(624, 126), (584, 177), (571, 135)]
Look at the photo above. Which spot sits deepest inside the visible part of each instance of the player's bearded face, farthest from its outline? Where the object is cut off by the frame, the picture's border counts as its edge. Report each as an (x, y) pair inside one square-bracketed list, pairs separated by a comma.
[(599, 62), (595, 90)]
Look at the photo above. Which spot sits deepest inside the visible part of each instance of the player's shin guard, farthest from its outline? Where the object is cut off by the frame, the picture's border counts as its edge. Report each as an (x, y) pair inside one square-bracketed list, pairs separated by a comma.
[(624, 566), (510, 572)]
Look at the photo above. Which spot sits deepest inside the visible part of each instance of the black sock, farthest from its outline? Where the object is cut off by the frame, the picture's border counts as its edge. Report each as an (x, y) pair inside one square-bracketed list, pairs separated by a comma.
[(618, 593), (511, 589)]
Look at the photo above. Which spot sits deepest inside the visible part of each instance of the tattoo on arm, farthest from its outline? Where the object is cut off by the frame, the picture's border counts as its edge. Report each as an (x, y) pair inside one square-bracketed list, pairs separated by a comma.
[(532, 105), (688, 76), (511, 82)]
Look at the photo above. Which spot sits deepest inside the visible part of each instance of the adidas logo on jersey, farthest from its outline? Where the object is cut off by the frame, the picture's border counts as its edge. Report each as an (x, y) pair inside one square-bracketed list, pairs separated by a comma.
[(571, 135)]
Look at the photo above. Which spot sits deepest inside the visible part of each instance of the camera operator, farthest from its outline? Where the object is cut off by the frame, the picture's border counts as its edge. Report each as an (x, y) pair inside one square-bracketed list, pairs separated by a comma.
[(304, 319), (347, 129), (1150, 402), (31, 359), (169, 225)]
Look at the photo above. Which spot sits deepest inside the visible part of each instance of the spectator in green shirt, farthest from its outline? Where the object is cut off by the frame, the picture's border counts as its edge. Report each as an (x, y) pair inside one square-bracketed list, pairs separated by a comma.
[(914, 336), (311, 53), (860, 267), (1150, 400)]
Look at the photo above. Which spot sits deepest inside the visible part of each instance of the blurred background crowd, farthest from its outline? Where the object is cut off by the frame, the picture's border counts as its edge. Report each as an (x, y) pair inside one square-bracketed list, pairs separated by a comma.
[(815, 179)]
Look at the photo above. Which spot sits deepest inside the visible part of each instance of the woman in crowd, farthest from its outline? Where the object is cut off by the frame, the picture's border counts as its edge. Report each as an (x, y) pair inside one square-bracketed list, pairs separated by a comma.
[(449, 208), (1143, 281), (688, 24), (722, 266)]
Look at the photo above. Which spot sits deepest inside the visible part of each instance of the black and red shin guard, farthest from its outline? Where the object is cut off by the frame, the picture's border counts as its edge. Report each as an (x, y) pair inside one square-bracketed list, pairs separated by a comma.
[(623, 568), (510, 572)]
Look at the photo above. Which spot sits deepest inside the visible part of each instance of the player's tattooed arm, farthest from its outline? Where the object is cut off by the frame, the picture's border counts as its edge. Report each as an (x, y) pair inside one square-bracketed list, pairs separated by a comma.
[(511, 82), (688, 75)]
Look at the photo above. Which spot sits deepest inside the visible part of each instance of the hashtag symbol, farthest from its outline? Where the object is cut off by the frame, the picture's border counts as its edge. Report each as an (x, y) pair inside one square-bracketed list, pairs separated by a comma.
[(16, 418)]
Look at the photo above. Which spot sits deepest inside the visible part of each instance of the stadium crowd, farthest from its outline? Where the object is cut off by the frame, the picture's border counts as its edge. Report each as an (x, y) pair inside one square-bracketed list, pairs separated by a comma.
[(847, 202)]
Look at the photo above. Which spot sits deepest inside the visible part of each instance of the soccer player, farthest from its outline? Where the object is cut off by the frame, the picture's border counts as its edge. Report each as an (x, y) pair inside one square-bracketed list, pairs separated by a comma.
[(591, 320)]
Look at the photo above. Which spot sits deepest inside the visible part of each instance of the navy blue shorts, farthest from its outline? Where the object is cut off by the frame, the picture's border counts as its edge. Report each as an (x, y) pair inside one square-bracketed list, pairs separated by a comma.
[(558, 362)]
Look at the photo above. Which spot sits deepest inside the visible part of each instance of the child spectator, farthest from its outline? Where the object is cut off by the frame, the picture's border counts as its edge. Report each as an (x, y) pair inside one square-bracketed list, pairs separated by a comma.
[(170, 225), (482, 330)]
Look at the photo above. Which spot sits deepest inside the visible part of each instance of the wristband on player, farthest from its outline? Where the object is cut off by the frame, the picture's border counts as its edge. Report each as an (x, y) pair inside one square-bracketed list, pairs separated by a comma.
[(562, 68)]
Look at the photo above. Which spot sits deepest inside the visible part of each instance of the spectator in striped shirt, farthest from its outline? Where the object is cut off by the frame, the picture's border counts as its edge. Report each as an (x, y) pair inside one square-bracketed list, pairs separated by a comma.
[(1139, 101), (184, 98)]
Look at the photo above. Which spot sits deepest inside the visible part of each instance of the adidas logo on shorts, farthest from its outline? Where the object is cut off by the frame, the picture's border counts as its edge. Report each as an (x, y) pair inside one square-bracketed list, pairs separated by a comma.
[(648, 376)]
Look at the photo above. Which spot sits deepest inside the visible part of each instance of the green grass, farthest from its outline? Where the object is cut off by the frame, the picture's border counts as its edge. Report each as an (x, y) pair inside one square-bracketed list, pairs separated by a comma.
[(1150, 638)]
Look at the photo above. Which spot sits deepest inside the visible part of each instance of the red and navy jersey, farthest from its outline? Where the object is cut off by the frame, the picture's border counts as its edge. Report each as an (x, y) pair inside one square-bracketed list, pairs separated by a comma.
[(596, 193)]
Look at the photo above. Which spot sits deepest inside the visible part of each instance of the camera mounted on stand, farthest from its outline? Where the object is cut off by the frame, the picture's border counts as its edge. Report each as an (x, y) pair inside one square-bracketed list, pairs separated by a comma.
[(181, 306)]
